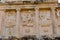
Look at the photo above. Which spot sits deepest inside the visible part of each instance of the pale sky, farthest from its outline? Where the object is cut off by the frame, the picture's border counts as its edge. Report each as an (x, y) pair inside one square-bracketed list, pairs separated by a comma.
[(58, 1)]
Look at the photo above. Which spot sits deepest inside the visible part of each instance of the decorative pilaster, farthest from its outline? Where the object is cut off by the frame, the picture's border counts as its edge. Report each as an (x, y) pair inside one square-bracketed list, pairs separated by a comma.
[(18, 23), (2, 22), (4, 32), (53, 16), (37, 21)]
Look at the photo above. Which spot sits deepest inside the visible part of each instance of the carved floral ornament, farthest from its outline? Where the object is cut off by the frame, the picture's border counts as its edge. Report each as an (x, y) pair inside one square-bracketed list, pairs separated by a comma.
[(27, 30), (45, 30), (46, 25), (10, 24)]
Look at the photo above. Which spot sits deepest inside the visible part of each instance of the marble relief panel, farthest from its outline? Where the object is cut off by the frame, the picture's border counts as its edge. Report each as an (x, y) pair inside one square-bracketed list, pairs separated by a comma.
[(10, 18), (28, 21), (27, 18), (10, 22), (45, 22), (45, 17)]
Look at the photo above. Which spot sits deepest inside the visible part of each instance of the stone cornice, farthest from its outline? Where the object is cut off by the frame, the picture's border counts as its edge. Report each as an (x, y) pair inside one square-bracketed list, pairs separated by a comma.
[(25, 3)]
